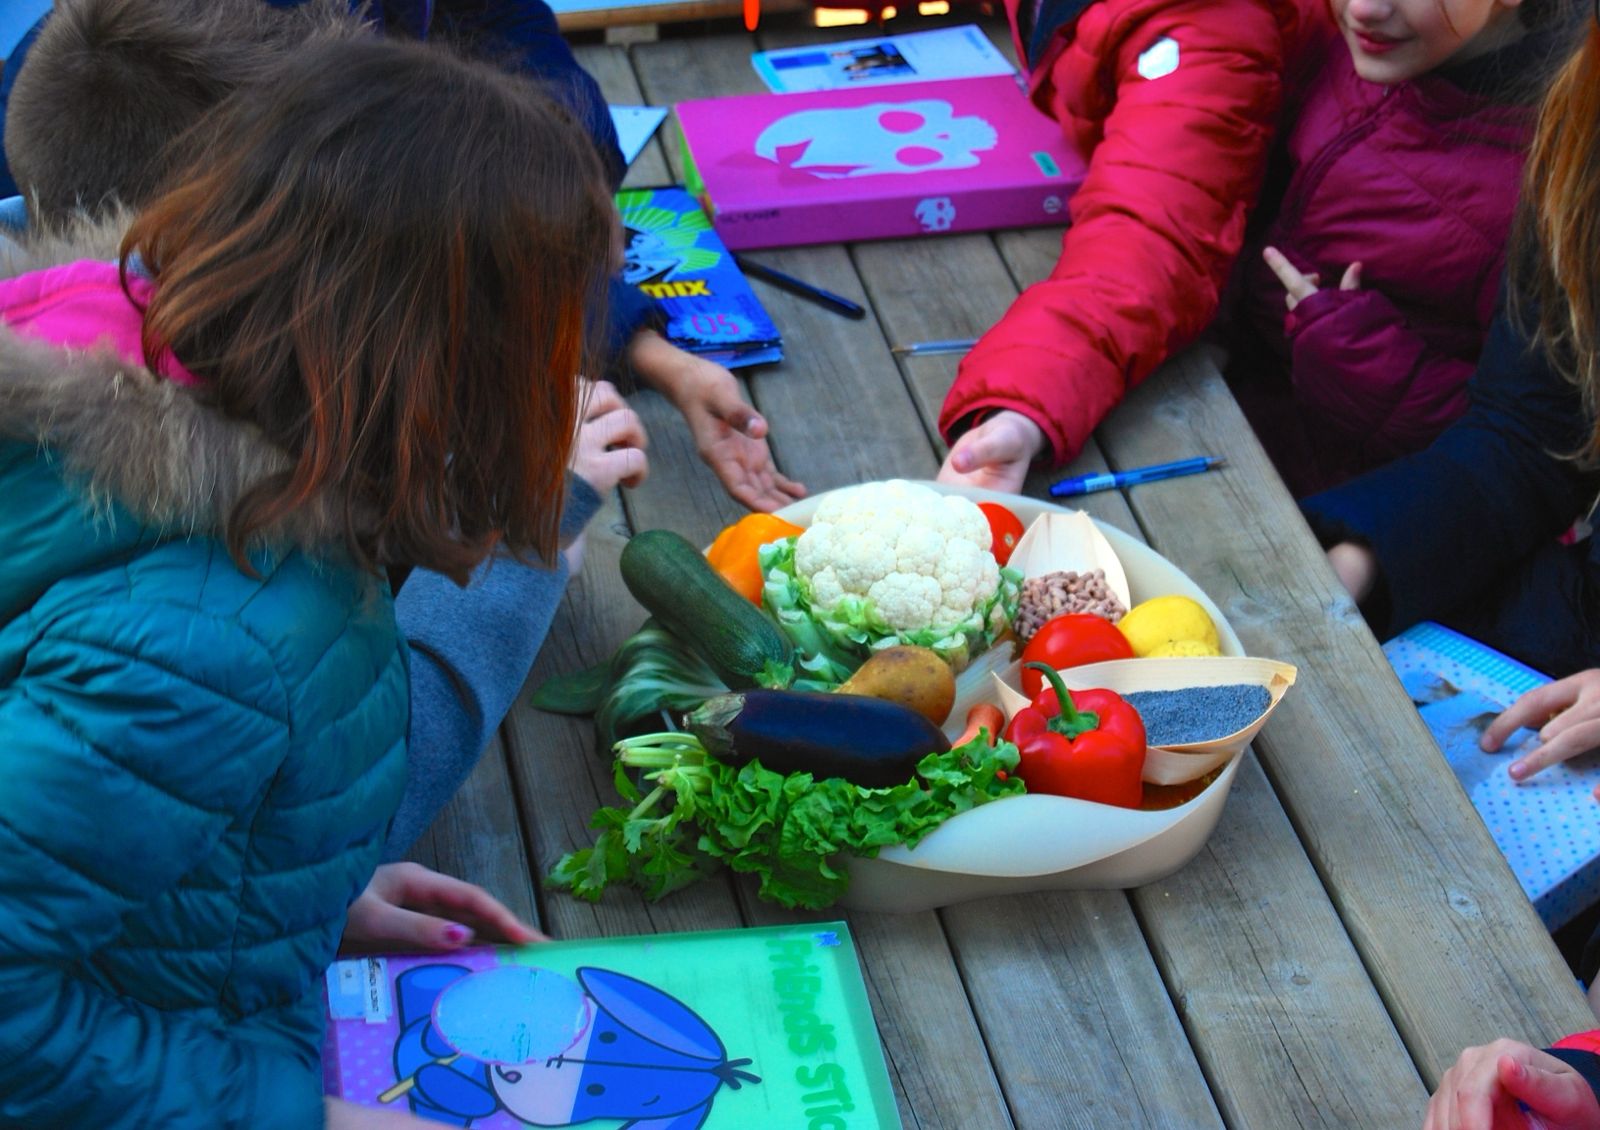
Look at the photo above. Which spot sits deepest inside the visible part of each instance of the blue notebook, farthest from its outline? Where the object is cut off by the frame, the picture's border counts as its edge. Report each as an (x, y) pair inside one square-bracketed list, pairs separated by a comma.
[(1548, 827), (675, 256)]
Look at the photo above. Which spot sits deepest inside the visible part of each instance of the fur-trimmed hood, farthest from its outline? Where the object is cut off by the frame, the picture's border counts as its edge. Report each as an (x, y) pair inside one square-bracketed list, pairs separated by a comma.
[(127, 436)]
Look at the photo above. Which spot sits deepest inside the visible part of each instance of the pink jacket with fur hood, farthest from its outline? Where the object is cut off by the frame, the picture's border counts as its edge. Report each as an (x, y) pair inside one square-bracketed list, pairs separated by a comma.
[(1418, 182)]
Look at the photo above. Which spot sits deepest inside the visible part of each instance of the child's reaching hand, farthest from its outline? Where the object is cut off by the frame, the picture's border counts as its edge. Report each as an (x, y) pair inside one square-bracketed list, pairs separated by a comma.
[(409, 908), (1567, 713), (1299, 287), (1508, 1085), (996, 454), (730, 435), (608, 447)]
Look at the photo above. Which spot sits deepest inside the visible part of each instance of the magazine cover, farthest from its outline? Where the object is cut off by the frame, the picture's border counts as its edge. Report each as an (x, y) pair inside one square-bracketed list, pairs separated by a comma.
[(918, 56), (1548, 827), (765, 1027), (674, 256), (969, 154)]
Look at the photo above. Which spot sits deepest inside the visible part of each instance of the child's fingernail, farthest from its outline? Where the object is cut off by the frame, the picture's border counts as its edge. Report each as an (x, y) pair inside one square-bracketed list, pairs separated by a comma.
[(1518, 770), (457, 934)]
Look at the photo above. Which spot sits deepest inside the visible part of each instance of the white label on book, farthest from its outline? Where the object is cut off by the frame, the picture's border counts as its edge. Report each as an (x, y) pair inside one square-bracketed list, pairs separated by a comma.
[(376, 1003), (1160, 59)]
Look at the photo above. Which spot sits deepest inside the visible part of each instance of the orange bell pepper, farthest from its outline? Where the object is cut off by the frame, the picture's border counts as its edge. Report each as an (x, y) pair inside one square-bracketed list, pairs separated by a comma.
[(735, 553)]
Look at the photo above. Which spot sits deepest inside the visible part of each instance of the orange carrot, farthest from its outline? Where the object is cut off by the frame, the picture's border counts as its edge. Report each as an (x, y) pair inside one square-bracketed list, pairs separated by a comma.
[(984, 716)]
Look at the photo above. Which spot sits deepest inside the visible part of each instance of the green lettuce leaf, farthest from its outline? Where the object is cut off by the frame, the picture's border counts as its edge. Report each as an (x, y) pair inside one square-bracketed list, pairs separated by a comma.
[(793, 832)]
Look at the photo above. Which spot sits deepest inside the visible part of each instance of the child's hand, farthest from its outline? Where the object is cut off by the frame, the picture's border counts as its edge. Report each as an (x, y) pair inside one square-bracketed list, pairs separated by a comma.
[(1567, 713), (1482, 1092), (1298, 287), (995, 454), (409, 908), (1356, 567), (608, 447), (729, 434)]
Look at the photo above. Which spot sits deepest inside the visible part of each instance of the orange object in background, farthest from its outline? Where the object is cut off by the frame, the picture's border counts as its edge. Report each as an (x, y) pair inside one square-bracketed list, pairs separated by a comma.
[(736, 552)]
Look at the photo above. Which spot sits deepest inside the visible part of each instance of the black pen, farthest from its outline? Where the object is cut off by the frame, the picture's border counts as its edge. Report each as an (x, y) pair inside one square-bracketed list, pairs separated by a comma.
[(832, 301)]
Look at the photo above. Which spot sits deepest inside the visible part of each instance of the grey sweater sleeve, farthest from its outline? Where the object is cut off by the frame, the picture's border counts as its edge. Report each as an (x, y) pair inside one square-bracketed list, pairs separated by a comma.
[(471, 651)]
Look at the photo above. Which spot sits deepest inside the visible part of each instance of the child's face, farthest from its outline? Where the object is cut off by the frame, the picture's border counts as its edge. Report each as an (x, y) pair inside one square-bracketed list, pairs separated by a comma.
[(1395, 40)]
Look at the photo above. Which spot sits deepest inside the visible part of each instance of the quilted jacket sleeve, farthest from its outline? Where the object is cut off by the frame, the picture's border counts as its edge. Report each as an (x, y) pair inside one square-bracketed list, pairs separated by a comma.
[(122, 770), (1155, 226), (1357, 365)]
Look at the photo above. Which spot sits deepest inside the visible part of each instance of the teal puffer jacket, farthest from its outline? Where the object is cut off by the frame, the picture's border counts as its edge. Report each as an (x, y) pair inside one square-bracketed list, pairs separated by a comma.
[(197, 767)]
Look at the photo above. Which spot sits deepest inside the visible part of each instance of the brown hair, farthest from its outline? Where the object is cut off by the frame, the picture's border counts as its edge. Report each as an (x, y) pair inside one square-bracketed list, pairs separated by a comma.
[(1557, 271), (108, 84), (383, 257)]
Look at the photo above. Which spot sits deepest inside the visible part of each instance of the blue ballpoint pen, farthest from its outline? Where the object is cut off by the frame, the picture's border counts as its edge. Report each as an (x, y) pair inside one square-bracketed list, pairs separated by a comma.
[(929, 348), (1107, 480), (835, 302)]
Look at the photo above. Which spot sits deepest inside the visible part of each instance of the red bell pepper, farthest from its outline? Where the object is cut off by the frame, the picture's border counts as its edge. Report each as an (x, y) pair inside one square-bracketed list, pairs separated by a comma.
[(1085, 744)]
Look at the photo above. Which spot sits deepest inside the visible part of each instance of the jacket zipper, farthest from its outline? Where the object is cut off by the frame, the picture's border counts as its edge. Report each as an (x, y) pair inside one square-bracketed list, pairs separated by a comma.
[(1314, 172)]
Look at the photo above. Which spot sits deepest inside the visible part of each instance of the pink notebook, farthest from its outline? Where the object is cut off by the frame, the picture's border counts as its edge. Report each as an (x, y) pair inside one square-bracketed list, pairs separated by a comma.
[(971, 154)]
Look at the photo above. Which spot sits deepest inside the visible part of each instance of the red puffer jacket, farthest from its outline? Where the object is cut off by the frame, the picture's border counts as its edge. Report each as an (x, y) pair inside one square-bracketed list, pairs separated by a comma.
[(1177, 157), (1418, 182)]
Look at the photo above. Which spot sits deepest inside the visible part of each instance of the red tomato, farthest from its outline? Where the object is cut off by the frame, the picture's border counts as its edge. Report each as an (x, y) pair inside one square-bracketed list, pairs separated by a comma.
[(1069, 641), (1005, 528)]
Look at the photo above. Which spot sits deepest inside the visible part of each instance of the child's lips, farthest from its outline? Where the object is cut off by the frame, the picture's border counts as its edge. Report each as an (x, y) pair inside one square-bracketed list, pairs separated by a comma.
[(1375, 44)]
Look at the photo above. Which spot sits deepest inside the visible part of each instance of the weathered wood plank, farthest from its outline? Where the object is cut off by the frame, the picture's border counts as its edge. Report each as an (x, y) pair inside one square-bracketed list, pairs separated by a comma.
[(1279, 1009), (478, 836), (1445, 933), (613, 70), (1081, 1029)]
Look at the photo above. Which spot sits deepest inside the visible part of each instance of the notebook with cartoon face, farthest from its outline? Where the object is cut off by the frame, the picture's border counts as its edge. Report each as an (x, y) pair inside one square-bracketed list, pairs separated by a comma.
[(766, 1027), (966, 154)]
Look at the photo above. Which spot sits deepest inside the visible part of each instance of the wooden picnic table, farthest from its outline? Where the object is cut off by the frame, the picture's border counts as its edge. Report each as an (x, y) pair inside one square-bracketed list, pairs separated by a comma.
[(1347, 929)]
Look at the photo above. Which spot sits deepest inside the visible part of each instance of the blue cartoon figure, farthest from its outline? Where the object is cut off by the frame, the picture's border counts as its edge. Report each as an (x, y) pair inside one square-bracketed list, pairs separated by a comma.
[(606, 1047)]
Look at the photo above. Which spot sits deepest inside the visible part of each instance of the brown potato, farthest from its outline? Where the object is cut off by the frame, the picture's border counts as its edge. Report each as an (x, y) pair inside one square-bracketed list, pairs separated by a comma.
[(911, 676)]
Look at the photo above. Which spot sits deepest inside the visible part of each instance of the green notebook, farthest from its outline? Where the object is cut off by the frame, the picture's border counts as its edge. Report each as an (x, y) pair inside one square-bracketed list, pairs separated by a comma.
[(766, 1027)]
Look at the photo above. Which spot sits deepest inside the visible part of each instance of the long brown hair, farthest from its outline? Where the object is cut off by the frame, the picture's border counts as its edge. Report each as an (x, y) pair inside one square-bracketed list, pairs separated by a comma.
[(383, 257), (1557, 269)]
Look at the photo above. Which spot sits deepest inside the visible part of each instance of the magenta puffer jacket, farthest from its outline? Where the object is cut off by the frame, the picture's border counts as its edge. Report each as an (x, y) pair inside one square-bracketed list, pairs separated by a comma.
[(1417, 182)]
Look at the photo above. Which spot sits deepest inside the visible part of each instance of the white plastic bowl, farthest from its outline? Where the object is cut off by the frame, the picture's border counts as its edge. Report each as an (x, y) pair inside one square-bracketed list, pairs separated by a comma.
[(1037, 842)]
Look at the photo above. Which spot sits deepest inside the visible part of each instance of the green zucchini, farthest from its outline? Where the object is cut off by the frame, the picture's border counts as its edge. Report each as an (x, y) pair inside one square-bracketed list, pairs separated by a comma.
[(678, 586)]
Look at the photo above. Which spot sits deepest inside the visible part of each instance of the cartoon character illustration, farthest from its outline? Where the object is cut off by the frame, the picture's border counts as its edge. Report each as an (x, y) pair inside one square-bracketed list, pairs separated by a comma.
[(936, 213), (641, 1055), (661, 242), (885, 137)]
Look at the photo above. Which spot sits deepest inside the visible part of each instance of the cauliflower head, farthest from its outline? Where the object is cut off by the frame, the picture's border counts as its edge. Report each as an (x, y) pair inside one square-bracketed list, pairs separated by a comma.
[(918, 560)]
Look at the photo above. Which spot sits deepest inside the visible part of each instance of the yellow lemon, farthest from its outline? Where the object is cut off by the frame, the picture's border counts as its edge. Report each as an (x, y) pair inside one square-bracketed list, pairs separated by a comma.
[(1182, 649), (1168, 620)]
